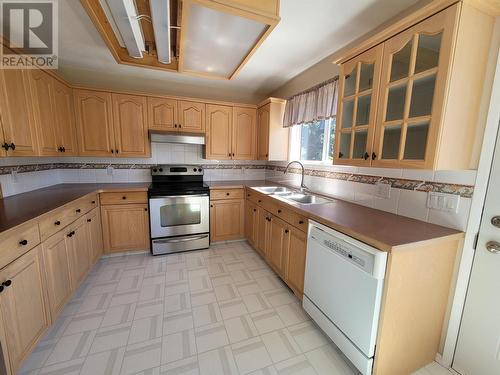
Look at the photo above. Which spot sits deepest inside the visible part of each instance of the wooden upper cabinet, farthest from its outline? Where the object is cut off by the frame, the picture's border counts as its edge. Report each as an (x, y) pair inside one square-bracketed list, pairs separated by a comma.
[(263, 115), (23, 306), (414, 75), (162, 114), (94, 120), (65, 119), (191, 117), (357, 105), (244, 137), (272, 137), (218, 133), (44, 110), (16, 110), (130, 126)]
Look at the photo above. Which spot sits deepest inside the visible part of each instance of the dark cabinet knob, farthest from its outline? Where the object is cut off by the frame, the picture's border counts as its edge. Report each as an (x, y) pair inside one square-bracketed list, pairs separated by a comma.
[(227, 194), (23, 242), (64, 149), (7, 283), (124, 197), (279, 211), (175, 125), (116, 151), (12, 146), (340, 154), (112, 151), (1, 288), (229, 154), (248, 195), (301, 222), (78, 210), (71, 234), (374, 156), (211, 205), (286, 231), (366, 156), (254, 210), (89, 220), (259, 201), (57, 222), (233, 153), (6, 146), (60, 149), (93, 202), (145, 209), (267, 155)]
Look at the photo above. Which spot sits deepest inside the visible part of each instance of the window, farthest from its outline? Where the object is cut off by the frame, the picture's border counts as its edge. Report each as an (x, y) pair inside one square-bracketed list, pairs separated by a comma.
[(313, 142)]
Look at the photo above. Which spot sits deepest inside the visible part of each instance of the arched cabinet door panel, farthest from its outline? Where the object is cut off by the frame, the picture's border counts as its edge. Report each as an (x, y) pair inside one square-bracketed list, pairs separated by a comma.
[(218, 132), (191, 117)]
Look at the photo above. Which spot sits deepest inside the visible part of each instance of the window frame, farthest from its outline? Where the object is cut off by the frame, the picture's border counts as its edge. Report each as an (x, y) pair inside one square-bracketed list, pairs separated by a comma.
[(296, 138)]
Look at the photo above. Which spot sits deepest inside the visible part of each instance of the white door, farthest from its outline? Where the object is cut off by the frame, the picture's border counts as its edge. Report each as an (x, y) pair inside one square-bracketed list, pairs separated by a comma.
[(478, 347)]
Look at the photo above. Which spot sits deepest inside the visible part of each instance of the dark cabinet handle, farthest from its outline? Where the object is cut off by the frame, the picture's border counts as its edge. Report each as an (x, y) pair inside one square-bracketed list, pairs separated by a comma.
[(366, 156), (23, 242), (13, 146), (124, 197), (211, 205), (89, 220), (340, 154), (112, 151), (286, 231), (57, 222), (7, 283), (93, 202), (279, 211), (374, 156), (145, 209), (180, 126), (248, 195), (233, 153), (1, 288), (259, 201), (116, 151), (229, 154), (6, 146), (301, 222), (78, 210), (71, 234), (267, 155), (254, 210), (227, 194), (64, 149), (60, 149)]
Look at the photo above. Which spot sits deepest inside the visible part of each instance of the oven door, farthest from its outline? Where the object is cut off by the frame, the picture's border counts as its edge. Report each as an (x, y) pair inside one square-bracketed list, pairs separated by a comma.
[(178, 215)]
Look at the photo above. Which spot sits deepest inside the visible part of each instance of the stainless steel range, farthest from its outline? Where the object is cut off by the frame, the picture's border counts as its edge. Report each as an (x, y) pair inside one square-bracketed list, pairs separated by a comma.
[(178, 209)]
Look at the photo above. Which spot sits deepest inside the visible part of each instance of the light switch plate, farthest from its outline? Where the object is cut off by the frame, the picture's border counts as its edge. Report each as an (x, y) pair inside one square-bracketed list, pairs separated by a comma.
[(443, 201), (382, 190)]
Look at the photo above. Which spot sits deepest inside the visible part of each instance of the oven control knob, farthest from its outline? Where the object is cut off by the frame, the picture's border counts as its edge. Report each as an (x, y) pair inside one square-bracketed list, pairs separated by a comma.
[(199, 169), (155, 170), (161, 169), (194, 169)]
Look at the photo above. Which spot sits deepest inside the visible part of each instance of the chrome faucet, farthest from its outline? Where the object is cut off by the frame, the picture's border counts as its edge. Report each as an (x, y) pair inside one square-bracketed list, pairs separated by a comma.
[(302, 186)]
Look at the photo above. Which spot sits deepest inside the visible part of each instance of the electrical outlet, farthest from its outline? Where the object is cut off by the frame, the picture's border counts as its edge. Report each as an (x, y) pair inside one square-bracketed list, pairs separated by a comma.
[(382, 190), (443, 202), (109, 170), (14, 176)]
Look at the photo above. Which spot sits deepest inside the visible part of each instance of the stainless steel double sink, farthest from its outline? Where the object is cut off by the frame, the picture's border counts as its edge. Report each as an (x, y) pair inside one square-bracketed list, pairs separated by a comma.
[(291, 195)]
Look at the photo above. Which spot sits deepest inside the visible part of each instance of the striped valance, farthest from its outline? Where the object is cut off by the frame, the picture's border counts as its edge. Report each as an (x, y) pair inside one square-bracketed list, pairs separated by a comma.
[(317, 103)]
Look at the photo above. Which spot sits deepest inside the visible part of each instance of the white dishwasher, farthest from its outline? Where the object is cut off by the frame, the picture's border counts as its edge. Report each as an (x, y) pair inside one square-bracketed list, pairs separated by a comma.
[(343, 290)]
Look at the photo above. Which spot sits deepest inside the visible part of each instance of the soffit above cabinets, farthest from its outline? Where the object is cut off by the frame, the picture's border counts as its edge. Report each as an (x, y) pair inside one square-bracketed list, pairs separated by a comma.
[(210, 38)]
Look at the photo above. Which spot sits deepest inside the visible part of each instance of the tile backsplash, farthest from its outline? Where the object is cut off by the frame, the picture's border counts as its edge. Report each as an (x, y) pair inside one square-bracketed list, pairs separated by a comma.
[(408, 192)]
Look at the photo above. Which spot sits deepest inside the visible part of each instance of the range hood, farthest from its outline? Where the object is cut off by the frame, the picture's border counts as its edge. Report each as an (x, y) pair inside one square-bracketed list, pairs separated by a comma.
[(178, 138)]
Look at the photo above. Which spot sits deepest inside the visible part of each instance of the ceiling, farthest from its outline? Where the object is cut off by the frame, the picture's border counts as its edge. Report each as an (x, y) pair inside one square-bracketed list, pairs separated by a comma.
[(305, 35)]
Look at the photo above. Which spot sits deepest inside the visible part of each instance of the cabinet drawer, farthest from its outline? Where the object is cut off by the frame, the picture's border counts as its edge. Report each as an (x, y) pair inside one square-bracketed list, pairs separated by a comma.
[(226, 194), (18, 241), (292, 218), (256, 198), (126, 197), (61, 217)]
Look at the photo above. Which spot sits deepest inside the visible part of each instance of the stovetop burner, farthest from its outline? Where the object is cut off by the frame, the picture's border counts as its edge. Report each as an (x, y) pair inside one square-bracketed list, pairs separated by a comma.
[(172, 180)]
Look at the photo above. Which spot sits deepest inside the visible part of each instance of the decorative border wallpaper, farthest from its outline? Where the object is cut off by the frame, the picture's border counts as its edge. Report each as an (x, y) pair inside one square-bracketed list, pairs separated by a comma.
[(465, 191)]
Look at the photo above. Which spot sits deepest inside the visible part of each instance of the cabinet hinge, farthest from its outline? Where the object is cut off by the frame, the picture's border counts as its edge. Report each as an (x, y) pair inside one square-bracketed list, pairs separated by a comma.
[(476, 237)]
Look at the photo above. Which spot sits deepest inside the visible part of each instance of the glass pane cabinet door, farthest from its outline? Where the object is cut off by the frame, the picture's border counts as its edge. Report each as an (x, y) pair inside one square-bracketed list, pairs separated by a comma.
[(358, 96), (414, 66)]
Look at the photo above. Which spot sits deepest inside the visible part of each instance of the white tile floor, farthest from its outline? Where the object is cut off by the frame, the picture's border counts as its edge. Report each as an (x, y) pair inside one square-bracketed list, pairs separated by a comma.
[(216, 311)]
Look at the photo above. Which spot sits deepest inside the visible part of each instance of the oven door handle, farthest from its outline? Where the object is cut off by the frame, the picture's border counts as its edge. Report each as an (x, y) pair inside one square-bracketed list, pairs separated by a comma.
[(178, 196), (185, 239)]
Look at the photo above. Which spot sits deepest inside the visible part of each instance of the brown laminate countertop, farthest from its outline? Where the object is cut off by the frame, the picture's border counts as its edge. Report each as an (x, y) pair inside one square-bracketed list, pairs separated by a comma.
[(382, 230), (20, 208)]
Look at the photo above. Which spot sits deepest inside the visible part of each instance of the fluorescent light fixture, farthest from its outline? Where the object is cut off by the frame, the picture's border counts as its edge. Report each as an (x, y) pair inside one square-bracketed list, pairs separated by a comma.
[(109, 16), (124, 15), (215, 42), (160, 15)]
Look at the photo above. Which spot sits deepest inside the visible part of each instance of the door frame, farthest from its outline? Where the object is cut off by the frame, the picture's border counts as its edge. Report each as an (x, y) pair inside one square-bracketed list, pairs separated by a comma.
[(491, 110)]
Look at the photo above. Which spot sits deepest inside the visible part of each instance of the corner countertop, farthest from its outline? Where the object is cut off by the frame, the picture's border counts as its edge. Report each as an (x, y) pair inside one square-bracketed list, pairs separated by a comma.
[(383, 230), (20, 208)]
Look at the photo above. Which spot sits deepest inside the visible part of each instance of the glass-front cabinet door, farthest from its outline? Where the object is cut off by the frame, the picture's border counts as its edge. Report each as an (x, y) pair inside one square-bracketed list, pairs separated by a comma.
[(412, 85), (358, 94)]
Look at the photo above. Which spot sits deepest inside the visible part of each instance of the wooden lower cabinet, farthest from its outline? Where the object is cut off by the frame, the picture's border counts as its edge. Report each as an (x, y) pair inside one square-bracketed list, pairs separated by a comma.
[(279, 242), (278, 245), (23, 306), (55, 256), (94, 235), (227, 220), (78, 252), (125, 227), (296, 261)]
